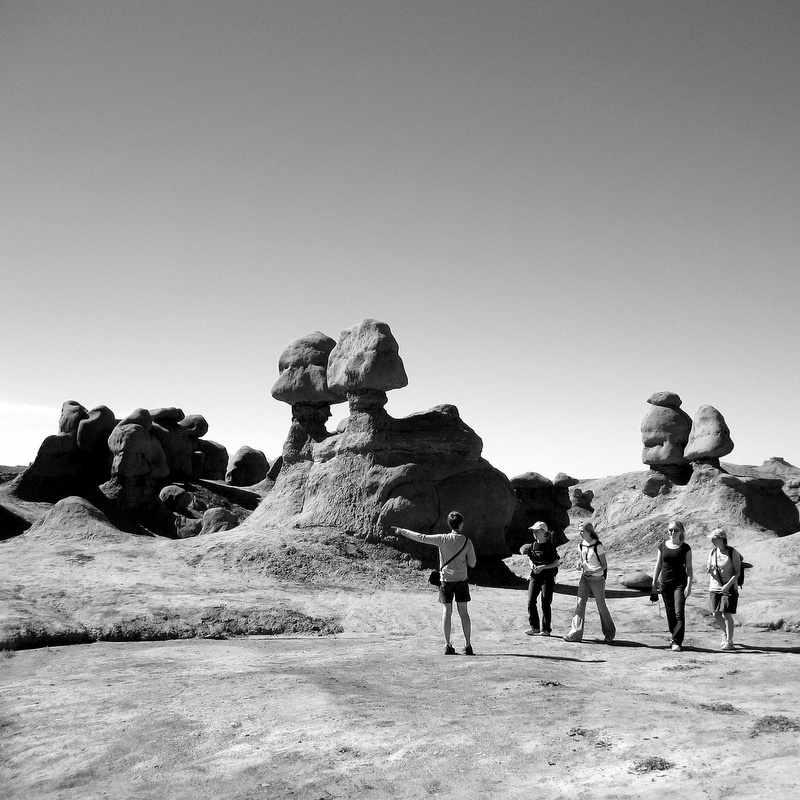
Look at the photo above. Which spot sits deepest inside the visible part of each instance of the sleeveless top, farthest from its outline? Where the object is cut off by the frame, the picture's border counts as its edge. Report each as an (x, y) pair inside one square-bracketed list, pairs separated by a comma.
[(673, 564)]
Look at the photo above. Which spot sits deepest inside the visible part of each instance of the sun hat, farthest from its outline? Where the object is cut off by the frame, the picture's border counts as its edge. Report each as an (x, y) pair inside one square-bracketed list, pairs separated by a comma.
[(539, 526)]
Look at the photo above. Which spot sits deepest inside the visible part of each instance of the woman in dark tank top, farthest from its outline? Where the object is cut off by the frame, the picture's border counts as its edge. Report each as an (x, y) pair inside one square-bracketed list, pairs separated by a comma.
[(674, 567)]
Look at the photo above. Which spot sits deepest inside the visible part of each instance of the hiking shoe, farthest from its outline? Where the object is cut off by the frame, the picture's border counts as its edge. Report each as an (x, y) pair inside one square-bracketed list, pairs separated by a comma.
[(727, 646), (449, 650), (676, 648), (532, 632), (544, 633), (467, 651)]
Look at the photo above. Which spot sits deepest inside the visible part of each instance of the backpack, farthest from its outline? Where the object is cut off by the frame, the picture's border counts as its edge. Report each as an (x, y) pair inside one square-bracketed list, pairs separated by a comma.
[(594, 545), (732, 551)]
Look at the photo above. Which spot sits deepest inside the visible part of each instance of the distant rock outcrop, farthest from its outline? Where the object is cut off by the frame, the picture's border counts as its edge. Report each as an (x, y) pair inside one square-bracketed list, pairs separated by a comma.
[(377, 471), (540, 499), (247, 467)]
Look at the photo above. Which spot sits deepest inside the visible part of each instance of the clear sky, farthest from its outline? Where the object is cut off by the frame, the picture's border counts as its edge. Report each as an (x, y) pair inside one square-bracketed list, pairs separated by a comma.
[(558, 207)]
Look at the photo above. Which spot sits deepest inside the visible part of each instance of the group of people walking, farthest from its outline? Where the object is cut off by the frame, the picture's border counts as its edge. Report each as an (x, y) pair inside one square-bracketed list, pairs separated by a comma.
[(672, 580)]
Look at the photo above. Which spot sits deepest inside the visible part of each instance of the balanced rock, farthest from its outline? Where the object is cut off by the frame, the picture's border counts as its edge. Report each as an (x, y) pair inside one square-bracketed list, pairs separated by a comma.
[(710, 437), (303, 383), (665, 431)]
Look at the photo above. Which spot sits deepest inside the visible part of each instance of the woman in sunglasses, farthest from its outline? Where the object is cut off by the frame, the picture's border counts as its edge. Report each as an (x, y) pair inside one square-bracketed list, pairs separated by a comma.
[(674, 568)]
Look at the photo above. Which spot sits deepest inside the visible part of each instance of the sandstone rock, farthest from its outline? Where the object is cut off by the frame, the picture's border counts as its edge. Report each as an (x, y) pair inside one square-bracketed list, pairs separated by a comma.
[(93, 433), (665, 431), (247, 467), (175, 441), (582, 499), (366, 357), (56, 472), (138, 465), (72, 413), (194, 425), (175, 498), (303, 371), (539, 499), (710, 438), (140, 416), (638, 580), (218, 519), (215, 460)]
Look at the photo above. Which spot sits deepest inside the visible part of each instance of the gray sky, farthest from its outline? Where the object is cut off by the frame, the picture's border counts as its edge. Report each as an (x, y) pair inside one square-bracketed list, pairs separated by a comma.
[(558, 207)]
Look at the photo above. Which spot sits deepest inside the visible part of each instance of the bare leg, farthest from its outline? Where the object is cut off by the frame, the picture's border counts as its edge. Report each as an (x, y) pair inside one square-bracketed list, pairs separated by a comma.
[(447, 613), (466, 622), (728, 620)]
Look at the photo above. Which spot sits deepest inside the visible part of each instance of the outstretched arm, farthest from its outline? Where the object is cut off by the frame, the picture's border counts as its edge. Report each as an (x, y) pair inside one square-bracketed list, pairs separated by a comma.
[(417, 537)]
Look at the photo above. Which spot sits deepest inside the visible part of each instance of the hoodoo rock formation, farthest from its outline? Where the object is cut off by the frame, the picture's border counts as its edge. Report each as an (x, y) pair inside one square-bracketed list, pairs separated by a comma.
[(710, 437), (377, 471), (665, 432), (688, 481), (122, 465)]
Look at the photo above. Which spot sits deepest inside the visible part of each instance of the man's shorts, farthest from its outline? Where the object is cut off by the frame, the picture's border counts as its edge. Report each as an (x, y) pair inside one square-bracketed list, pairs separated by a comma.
[(717, 601), (450, 589)]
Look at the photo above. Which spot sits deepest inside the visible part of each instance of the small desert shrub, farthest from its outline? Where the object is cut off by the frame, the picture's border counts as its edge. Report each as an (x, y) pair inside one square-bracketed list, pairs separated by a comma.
[(7, 653), (720, 708), (771, 724), (651, 764)]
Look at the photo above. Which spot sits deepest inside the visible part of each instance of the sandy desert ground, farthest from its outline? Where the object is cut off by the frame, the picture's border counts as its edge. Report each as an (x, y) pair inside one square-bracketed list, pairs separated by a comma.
[(376, 710)]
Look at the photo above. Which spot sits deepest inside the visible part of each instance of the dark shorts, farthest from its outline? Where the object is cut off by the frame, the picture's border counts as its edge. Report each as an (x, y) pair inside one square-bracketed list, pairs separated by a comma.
[(450, 589), (723, 602)]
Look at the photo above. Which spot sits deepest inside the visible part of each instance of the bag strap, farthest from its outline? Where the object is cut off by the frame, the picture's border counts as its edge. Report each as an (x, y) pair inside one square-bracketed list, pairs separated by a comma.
[(456, 555)]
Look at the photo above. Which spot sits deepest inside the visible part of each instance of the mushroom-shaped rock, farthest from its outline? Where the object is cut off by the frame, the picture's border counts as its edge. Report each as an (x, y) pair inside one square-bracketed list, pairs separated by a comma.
[(72, 413), (366, 359), (582, 499), (710, 438), (665, 431), (247, 467), (303, 371)]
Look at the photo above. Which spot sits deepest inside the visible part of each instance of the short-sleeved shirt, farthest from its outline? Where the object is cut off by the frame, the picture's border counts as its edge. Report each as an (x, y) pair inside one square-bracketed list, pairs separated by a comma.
[(541, 553), (590, 559), (673, 564), (722, 566)]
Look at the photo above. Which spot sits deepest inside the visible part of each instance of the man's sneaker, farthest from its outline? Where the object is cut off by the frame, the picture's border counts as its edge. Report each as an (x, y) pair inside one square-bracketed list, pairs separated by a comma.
[(532, 632), (676, 647), (449, 650), (467, 651), (727, 645), (544, 633)]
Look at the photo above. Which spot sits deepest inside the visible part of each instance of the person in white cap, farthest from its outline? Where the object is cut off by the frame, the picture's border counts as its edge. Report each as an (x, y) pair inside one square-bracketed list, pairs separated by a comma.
[(723, 567), (544, 560)]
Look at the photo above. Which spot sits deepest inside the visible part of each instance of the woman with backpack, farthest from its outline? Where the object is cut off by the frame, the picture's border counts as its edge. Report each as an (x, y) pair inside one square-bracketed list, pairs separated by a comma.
[(593, 567), (674, 568), (724, 566)]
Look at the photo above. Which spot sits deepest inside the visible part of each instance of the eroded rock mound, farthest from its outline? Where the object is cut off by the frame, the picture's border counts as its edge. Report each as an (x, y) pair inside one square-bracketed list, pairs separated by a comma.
[(665, 432), (710, 437), (248, 467), (540, 499)]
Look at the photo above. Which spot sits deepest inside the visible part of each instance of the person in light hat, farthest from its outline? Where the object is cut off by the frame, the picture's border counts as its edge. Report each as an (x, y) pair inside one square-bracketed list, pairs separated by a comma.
[(544, 560), (723, 567)]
